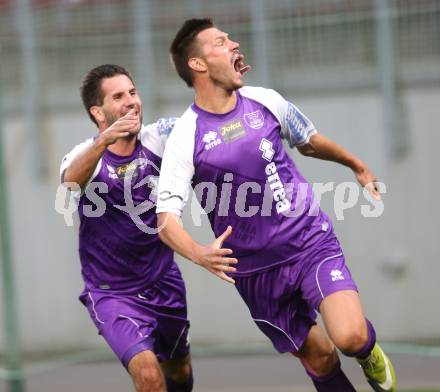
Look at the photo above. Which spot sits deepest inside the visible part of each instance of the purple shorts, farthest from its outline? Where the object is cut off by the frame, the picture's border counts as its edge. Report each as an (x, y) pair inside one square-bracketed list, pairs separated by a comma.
[(284, 300), (153, 319)]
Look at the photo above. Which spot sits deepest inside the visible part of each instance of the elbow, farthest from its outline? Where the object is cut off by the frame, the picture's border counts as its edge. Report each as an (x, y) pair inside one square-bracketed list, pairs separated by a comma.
[(68, 177), (304, 152), (307, 150), (71, 182), (65, 176), (310, 148)]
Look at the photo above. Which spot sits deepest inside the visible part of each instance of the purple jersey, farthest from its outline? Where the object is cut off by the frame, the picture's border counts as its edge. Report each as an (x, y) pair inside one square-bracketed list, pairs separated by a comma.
[(115, 250), (243, 177)]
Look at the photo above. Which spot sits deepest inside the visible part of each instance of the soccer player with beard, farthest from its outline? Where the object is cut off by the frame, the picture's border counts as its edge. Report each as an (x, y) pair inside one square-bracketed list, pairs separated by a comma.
[(133, 290), (285, 261)]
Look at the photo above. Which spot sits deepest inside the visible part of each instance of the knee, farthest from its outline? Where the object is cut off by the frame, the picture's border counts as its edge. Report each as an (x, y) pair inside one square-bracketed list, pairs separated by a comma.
[(320, 363), (179, 370), (153, 378), (351, 340), (148, 378), (180, 375), (325, 363)]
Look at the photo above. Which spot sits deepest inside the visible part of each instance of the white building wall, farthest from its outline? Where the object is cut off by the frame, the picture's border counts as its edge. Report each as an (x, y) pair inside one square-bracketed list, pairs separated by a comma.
[(394, 258)]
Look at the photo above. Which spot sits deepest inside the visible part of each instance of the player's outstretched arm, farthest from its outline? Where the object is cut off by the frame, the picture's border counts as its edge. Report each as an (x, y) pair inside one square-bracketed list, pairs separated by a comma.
[(323, 148), (212, 256), (82, 166)]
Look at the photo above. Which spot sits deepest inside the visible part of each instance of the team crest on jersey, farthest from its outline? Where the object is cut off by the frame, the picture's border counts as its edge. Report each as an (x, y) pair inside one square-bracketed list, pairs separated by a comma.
[(232, 131), (254, 120), (211, 139)]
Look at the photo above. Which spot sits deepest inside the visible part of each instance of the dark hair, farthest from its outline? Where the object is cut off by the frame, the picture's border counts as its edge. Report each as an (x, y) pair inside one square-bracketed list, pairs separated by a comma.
[(183, 46), (91, 93)]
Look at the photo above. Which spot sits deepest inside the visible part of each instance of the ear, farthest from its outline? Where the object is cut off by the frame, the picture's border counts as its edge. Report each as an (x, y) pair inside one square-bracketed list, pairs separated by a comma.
[(97, 112), (197, 64)]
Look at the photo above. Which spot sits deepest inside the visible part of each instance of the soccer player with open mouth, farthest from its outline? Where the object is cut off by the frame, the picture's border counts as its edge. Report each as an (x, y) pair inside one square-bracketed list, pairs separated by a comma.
[(286, 262)]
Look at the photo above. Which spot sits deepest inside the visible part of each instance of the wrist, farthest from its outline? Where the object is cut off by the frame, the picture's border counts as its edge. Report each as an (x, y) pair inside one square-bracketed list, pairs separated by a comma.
[(196, 253), (101, 143), (358, 166)]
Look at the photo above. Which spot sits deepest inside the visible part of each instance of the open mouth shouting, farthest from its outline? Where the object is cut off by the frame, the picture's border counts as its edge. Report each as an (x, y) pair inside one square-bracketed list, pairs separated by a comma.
[(238, 63)]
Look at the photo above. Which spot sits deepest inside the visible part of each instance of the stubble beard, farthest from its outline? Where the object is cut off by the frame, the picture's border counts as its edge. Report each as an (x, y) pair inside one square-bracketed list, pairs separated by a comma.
[(228, 85), (110, 119)]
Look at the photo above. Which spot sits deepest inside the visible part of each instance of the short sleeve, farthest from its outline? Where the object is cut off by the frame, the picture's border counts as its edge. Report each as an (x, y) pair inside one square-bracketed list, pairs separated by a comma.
[(154, 136), (295, 127), (177, 169), (69, 157)]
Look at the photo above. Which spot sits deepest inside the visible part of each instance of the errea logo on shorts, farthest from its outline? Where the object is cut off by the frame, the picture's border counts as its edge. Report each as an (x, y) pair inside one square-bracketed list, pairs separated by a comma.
[(336, 275)]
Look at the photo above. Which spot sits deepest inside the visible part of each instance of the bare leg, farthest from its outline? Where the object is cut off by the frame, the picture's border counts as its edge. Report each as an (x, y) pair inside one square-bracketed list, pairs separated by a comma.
[(178, 374), (344, 320), (318, 354), (146, 373)]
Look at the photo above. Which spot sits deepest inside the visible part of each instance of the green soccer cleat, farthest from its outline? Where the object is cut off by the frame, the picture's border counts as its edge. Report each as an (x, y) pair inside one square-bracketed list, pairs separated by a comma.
[(379, 371)]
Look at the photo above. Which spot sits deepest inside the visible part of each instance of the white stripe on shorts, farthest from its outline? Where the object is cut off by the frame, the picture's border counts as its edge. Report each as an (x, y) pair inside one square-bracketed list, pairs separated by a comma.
[(319, 266), (177, 342), (94, 310), (284, 332), (135, 323)]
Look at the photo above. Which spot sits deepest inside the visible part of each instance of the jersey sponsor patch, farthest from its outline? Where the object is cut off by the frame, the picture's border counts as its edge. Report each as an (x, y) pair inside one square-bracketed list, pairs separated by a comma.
[(121, 171), (131, 169), (232, 131), (166, 125), (297, 124)]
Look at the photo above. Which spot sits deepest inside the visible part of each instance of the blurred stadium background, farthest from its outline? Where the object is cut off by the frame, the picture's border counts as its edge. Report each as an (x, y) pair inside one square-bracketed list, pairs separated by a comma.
[(367, 72)]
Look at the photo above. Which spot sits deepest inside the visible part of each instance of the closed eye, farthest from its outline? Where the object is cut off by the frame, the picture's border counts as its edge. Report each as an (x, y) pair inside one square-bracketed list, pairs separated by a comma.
[(220, 41)]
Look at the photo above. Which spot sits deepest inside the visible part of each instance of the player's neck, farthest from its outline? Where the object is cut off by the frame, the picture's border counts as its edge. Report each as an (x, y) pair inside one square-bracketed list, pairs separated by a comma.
[(123, 147), (215, 99)]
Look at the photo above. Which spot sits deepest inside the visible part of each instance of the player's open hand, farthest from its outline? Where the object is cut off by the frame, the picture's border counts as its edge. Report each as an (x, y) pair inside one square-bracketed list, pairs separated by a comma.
[(215, 258), (127, 125), (369, 181)]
